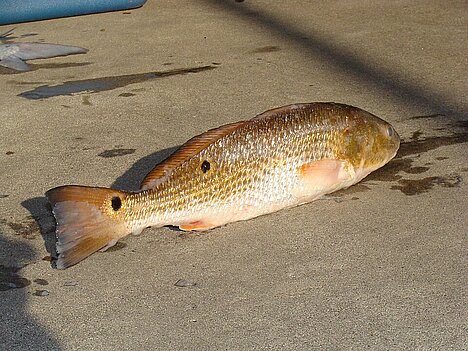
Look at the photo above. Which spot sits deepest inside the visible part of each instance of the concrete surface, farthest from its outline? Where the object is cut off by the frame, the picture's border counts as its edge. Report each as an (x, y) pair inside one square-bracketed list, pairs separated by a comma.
[(380, 266)]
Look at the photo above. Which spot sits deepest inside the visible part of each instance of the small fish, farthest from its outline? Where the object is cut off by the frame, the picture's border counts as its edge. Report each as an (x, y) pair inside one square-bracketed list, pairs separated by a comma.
[(14, 55), (282, 158)]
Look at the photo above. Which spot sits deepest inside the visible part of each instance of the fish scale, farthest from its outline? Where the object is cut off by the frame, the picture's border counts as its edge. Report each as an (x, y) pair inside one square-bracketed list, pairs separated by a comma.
[(282, 158)]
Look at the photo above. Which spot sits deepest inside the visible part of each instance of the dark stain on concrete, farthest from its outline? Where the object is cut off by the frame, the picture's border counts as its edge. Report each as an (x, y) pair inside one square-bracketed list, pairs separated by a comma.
[(28, 229), (117, 247), (10, 279), (418, 146), (390, 172), (37, 66), (417, 170), (416, 135), (428, 116), (266, 49), (105, 83), (116, 152), (85, 100), (419, 186), (357, 188), (40, 281)]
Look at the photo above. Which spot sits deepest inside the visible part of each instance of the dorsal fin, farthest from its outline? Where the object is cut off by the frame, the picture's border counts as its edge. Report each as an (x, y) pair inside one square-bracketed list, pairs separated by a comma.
[(185, 152), (278, 111)]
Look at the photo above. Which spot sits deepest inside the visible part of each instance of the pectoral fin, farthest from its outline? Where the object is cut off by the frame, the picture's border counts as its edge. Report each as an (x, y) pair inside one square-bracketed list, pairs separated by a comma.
[(324, 173), (322, 177)]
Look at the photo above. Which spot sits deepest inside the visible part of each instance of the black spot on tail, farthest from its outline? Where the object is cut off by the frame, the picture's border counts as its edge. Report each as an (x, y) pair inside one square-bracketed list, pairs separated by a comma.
[(116, 203), (205, 166)]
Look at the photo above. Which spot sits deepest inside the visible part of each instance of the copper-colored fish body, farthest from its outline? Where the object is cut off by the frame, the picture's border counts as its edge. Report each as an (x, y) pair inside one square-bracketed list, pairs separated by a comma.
[(281, 158), (255, 168)]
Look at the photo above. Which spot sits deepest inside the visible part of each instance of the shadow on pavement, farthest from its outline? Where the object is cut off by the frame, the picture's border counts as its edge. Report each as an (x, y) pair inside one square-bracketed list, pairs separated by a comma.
[(41, 211), (374, 77), (19, 330), (132, 178)]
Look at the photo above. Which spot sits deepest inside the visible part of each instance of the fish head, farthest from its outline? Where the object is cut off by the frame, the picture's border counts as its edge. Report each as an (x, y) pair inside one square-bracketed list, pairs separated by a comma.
[(369, 143)]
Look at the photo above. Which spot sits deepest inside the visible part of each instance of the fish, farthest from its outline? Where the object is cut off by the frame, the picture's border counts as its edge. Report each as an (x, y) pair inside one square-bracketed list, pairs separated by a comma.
[(13, 55), (283, 157)]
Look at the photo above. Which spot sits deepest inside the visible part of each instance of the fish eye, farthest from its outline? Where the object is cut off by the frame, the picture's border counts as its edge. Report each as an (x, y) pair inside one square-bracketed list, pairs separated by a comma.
[(390, 131)]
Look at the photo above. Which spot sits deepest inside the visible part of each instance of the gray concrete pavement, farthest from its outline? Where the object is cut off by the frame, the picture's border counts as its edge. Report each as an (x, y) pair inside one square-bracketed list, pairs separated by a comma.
[(379, 266)]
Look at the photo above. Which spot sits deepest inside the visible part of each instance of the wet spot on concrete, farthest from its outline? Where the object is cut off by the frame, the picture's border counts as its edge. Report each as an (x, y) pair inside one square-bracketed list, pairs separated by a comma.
[(265, 49), (419, 186), (417, 170), (357, 188), (428, 116), (389, 172), (36, 66), (9, 153), (116, 152), (418, 146), (105, 83), (8, 36), (10, 279), (28, 229), (40, 281), (127, 94), (14, 82), (184, 283), (118, 246), (26, 35), (41, 293), (71, 283), (85, 100), (416, 135)]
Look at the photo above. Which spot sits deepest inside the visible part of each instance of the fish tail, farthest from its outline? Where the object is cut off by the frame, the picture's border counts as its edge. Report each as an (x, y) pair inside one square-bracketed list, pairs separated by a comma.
[(88, 219)]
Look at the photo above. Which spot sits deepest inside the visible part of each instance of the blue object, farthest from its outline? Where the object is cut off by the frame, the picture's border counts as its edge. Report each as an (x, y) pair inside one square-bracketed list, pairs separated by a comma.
[(16, 11)]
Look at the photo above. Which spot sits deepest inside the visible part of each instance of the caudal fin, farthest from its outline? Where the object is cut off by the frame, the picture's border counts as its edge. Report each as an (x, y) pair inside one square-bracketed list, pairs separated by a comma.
[(88, 219), (17, 52)]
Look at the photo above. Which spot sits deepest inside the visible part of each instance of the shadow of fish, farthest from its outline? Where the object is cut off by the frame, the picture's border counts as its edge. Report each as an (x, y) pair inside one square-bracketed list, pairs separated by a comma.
[(13, 55), (282, 158)]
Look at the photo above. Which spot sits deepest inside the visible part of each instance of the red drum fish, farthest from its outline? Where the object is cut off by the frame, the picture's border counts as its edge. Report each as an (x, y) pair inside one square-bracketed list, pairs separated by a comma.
[(282, 158)]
